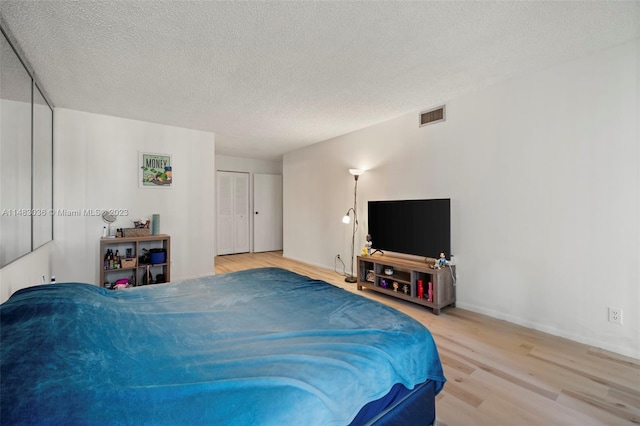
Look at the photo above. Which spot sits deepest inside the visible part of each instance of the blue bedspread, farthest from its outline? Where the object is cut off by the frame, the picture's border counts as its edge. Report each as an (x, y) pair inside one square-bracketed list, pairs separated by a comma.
[(265, 346)]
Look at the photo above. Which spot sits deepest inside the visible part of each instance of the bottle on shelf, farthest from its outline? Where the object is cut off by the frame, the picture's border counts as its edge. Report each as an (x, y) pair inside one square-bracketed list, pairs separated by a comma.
[(420, 289), (430, 292)]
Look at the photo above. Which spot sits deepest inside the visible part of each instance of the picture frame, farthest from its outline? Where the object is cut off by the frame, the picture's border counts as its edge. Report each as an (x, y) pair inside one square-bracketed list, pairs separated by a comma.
[(155, 170)]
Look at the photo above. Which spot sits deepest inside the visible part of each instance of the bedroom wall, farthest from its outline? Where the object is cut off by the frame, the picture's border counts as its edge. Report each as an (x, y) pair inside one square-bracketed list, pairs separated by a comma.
[(252, 166), (96, 167), (543, 173), (249, 165), (27, 271)]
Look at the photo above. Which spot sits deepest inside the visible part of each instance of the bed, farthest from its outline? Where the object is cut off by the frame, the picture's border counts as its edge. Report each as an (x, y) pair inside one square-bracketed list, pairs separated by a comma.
[(259, 347)]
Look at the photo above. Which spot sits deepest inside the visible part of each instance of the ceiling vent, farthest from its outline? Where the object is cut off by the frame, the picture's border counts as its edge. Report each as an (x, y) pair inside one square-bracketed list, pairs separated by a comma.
[(432, 116)]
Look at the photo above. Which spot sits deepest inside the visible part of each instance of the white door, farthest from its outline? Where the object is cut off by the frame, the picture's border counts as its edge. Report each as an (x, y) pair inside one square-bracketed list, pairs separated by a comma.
[(267, 209), (233, 212)]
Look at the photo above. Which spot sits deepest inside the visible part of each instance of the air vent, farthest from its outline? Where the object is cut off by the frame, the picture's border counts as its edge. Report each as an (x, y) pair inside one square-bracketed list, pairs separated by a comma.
[(434, 115)]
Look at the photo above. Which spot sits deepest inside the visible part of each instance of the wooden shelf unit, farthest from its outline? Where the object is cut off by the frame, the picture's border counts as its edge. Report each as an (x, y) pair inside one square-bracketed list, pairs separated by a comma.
[(137, 244), (407, 273)]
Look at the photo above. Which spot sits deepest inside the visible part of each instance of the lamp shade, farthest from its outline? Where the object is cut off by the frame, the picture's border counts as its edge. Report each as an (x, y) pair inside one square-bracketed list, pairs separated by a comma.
[(356, 172), (346, 219)]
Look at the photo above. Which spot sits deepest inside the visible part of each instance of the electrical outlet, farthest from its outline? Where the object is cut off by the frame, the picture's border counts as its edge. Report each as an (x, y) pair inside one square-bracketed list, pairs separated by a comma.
[(615, 315)]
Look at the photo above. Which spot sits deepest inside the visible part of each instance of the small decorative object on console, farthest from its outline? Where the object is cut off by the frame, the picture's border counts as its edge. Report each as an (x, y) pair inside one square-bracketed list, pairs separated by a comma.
[(370, 276), (368, 244), (388, 270)]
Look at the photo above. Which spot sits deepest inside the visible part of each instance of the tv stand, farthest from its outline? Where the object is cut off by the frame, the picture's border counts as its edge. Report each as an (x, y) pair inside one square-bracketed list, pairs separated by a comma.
[(403, 282)]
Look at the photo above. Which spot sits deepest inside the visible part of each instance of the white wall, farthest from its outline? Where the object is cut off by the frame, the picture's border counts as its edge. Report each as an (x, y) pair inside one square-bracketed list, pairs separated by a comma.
[(249, 165), (252, 166), (543, 173), (96, 167), (27, 271)]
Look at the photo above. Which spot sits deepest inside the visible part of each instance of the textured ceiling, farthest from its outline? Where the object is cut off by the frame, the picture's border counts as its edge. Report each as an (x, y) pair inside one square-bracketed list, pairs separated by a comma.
[(269, 77)]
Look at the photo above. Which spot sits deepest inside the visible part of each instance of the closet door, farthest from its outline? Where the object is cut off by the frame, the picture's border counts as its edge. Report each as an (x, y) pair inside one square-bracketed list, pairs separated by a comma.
[(233, 212), (241, 213)]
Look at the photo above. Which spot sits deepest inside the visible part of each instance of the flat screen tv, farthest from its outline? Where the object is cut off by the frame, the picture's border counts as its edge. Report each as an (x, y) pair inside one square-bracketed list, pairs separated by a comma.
[(417, 227)]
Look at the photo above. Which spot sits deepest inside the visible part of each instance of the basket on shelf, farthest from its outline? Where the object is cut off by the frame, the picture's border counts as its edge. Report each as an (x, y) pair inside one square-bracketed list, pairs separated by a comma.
[(135, 232), (129, 263)]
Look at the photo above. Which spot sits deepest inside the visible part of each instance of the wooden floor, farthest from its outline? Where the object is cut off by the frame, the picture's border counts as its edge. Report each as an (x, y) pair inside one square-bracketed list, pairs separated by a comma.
[(499, 373)]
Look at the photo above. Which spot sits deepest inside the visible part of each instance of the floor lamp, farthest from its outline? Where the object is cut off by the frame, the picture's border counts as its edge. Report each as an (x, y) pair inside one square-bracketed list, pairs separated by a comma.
[(346, 219)]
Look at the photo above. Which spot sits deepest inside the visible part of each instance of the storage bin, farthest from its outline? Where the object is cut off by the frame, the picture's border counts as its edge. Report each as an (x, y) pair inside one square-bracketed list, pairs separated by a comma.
[(157, 256), (135, 232), (128, 263)]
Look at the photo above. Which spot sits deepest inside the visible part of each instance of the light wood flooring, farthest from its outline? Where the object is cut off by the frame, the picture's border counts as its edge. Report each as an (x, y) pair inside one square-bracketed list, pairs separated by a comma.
[(499, 373)]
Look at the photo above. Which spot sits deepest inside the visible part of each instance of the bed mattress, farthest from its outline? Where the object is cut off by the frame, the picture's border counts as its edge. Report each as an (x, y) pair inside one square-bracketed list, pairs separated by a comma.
[(265, 346)]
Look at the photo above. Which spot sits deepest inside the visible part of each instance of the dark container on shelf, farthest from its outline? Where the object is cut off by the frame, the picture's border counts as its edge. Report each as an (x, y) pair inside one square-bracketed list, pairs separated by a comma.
[(157, 256)]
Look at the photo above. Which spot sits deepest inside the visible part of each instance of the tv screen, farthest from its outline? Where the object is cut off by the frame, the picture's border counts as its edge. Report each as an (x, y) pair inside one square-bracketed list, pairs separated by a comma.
[(417, 227)]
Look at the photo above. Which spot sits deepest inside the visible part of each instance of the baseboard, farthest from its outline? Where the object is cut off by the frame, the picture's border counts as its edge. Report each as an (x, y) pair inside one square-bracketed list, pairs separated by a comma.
[(305, 261), (622, 350)]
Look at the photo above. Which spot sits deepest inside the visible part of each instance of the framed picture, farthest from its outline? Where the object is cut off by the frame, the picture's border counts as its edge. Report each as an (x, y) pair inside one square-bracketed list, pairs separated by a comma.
[(156, 170)]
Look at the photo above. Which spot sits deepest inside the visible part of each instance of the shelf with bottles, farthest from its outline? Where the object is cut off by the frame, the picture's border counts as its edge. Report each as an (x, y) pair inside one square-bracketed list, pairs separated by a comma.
[(139, 252), (115, 261)]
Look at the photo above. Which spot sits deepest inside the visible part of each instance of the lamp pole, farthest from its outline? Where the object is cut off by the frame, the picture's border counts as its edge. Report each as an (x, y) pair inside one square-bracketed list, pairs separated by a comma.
[(352, 278)]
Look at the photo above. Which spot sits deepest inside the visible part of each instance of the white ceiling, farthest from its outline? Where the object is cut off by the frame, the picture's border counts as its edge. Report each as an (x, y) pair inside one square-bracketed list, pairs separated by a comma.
[(270, 77)]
